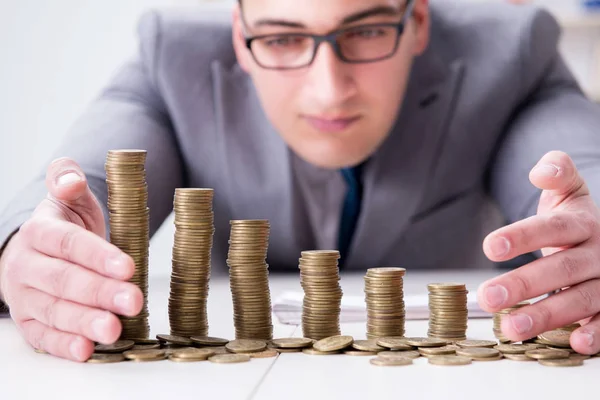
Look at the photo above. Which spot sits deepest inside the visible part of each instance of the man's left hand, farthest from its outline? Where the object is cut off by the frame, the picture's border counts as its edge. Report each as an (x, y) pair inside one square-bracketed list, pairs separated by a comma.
[(567, 231)]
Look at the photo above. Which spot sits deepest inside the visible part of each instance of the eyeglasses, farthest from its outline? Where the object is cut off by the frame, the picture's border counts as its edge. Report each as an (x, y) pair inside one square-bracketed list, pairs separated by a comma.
[(355, 45)]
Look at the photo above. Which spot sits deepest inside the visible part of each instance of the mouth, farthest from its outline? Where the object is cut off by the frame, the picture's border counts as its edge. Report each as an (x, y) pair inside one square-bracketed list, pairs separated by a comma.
[(331, 125)]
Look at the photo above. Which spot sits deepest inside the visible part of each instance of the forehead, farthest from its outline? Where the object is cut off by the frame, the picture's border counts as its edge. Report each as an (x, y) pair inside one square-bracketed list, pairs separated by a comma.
[(312, 13)]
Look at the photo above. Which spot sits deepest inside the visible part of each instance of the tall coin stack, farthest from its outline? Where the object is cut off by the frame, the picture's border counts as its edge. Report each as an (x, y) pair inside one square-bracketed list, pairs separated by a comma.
[(194, 229), (384, 295), (249, 279), (129, 218), (448, 313), (498, 320), (319, 277)]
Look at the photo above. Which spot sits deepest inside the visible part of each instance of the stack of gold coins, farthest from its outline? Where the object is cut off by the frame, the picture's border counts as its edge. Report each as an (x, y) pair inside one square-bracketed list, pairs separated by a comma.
[(319, 276), (129, 218), (249, 279), (448, 313), (384, 295), (498, 320), (194, 229)]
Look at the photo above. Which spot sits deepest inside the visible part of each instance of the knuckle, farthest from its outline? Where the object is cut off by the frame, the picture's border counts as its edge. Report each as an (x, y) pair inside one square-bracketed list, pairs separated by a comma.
[(66, 243), (558, 222), (545, 316), (569, 267), (587, 299), (29, 228), (60, 281), (589, 221)]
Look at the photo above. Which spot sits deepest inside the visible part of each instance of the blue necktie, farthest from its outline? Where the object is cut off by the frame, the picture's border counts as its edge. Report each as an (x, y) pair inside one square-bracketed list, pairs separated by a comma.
[(351, 209)]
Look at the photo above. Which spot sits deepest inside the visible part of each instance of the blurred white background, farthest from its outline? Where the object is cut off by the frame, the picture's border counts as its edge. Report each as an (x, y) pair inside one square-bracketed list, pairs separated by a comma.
[(56, 55)]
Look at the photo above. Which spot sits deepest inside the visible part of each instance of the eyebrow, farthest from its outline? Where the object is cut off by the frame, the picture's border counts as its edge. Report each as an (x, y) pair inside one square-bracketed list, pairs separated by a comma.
[(371, 12)]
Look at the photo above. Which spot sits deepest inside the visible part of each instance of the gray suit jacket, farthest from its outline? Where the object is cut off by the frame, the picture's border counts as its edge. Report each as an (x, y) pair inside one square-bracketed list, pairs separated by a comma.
[(489, 97)]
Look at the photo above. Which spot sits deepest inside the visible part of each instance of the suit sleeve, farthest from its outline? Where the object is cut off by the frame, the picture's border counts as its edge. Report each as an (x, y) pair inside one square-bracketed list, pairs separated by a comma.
[(129, 114), (554, 115)]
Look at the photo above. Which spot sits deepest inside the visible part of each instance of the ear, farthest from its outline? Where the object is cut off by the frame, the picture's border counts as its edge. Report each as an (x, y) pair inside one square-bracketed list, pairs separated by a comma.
[(422, 25), (239, 44)]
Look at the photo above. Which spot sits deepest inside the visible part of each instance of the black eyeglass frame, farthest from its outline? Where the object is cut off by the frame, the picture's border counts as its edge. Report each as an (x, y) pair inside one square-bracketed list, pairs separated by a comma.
[(331, 39)]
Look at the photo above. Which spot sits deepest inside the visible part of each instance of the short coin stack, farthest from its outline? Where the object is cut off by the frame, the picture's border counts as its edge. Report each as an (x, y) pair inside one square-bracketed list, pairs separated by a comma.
[(129, 218), (448, 313), (498, 320), (384, 295), (194, 229), (319, 277), (249, 279)]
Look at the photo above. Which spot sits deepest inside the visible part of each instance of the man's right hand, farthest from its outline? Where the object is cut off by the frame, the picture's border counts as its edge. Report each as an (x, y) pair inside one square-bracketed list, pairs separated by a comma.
[(62, 280)]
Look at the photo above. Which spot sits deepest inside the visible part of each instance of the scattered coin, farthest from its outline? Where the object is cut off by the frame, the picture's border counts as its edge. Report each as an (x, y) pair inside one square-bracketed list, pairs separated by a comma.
[(146, 347), (40, 351), (267, 353), (292, 343), (209, 341), (394, 343), (246, 346), (178, 340), (145, 355), (391, 362), (518, 357), (425, 342), (175, 358), (282, 350), (438, 351), (477, 352), (229, 358), (557, 338), (193, 353), (578, 356), (314, 352), (564, 362), (333, 343), (540, 354), (116, 347), (516, 348), (476, 343), (449, 360), (367, 345), (101, 358), (360, 353), (146, 341), (409, 354)]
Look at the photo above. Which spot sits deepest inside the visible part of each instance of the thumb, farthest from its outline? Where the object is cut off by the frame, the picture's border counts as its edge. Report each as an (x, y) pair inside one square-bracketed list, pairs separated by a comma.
[(67, 185), (557, 175)]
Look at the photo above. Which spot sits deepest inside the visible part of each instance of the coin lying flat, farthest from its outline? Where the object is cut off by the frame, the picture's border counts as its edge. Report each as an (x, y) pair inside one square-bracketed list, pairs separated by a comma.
[(438, 351), (476, 343), (145, 355), (180, 340), (116, 347), (281, 350), (394, 343), (40, 351), (174, 358), (478, 352), (391, 362), (516, 348), (292, 343), (367, 345), (395, 354), (425, 342), (333, 343), (246, 346), (493, 358), (450, 360), (578, 356), (360, 353), (561, 362), (540, 354), (558, 338), (313, 352), (268, 353), (518, 357), (229, 358), (145, 341), (100, 358), (146, 347), (209, 341), (193, 353)]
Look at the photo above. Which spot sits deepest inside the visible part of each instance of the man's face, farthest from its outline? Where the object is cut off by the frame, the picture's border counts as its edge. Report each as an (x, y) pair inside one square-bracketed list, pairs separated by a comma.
[(332, 114)]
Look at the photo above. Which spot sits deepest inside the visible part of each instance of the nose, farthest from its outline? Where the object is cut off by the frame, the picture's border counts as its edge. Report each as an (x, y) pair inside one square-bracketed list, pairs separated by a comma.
[(331, 83)]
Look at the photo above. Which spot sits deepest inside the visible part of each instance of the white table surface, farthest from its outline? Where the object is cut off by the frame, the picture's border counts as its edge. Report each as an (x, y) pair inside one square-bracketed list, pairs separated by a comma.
[(25, 374)]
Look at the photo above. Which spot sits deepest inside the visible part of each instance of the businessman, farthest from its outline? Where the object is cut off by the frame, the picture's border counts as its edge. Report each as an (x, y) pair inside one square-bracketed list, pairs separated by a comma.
[(440, 134)]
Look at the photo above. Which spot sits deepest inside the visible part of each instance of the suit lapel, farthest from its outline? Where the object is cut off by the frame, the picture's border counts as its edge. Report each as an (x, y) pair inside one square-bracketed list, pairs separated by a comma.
[(396, 176)]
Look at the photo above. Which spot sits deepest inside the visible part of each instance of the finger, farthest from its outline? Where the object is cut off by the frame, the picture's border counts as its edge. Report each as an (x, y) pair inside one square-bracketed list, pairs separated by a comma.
[(556, 172), (60, 344), (570, 305), (67, 186), (67, 241), (99, 326), (69, 281), (559, 270), (586, 340), (558, 229)]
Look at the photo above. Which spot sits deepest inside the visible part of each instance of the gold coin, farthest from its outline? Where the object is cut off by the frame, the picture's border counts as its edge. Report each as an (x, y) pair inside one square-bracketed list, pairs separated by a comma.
[(145, 355), (229, 358), (292, 343), (333, 343), (578, 356), (518, 357), (267, 353), (209, 341), (494, 358), (394, 343), (146, 347), (282, 350), (409, 354), (540, 354), (145, 341), (182, 341), (516, 348), (558, 338), (477, 343), (449, 360), (40, 351), (391, 362), (193, 353), (313, 352), (246, 346), (116, 347), (437, 351), (173, 357), (564, 362), (360, 353), (425, 342), (477, 352), (100, 358), (367, 345)]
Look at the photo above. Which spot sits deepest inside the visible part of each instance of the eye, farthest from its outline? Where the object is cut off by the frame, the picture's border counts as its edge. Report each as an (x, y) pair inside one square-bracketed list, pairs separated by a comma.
[(365, 33), (283, 41)]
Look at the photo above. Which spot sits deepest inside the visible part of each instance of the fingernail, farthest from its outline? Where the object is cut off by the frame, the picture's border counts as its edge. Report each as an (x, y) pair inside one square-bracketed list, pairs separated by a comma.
[(115, 265), (75, 349), (123, 301), (495, 295), (522, 323), (548, 170), (67, 178), (100, 327), (587, 338), (500, 246)]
